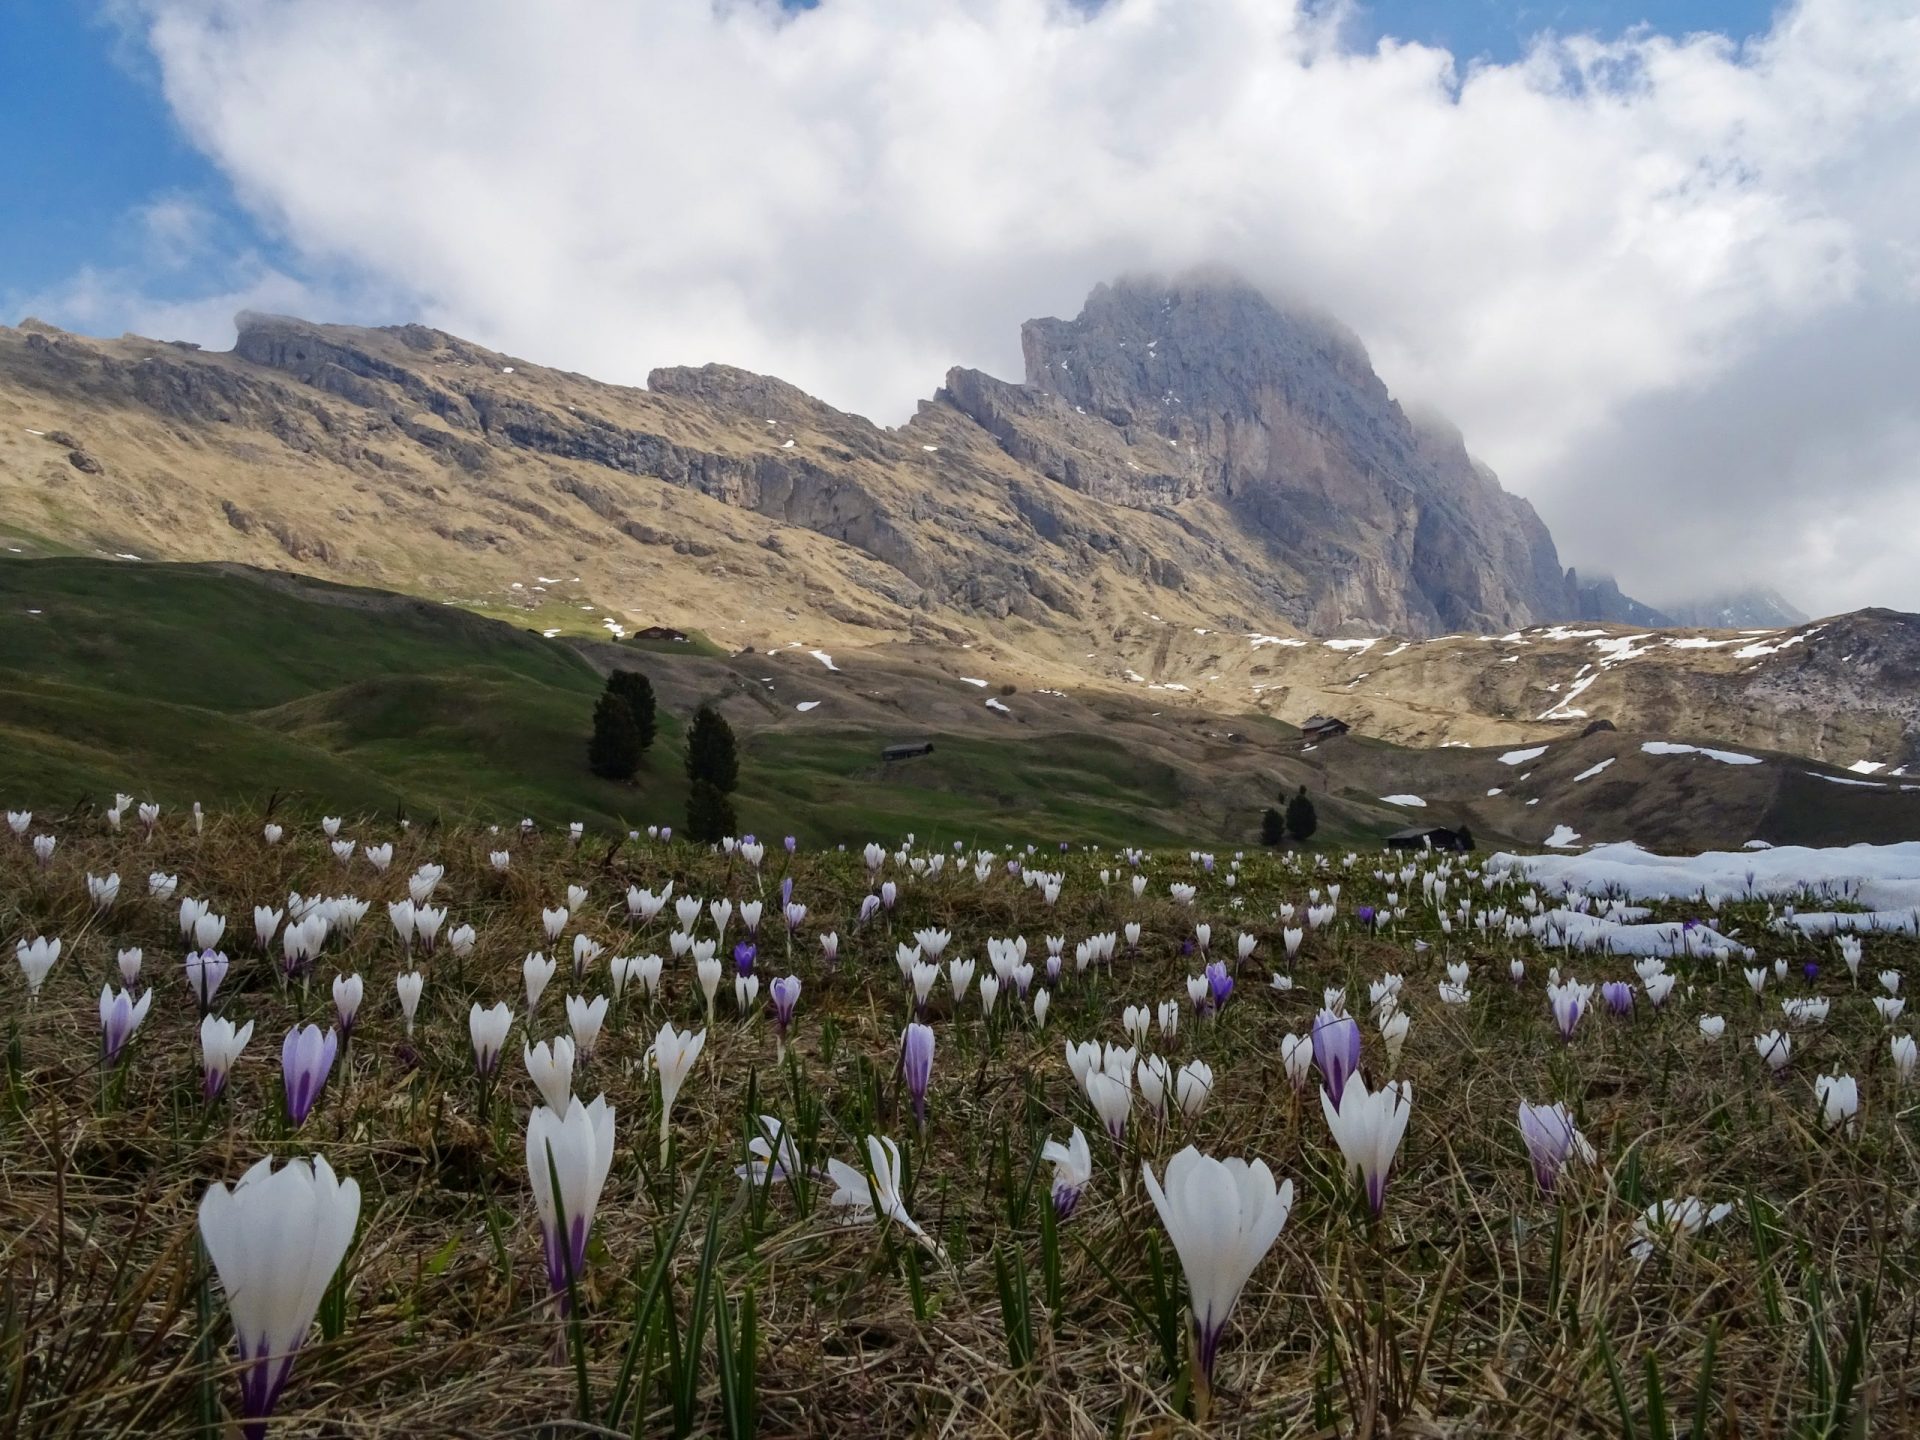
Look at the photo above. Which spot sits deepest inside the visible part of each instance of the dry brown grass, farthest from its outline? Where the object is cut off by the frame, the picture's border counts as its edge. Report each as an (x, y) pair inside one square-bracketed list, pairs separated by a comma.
[(1451, 1317)]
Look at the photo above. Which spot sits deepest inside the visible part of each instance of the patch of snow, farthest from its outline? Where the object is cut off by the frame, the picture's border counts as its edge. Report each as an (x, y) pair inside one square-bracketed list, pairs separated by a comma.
[(1756, 649), (1359, 646), (549, 634), (1696, 642), (1843, 780), (1560, 709), (1881, 877), (968, 679), (824, 658), (930, 449), (1291, 644), (993, 703), (1618, 649), (1867, 767), (786, 444), (1413, 800), (1520, 757), (1674, 747), (1398, 648), (1564, 837), (506, 369), (805, 705), (1593, 770), (1496, 790)]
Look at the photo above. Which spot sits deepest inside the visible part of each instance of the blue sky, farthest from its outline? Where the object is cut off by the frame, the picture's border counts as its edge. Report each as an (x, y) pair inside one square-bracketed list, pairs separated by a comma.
[(95, 143)]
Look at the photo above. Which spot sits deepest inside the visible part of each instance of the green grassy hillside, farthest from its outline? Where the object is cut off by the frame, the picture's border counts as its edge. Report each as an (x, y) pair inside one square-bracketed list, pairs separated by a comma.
[(187, 683)]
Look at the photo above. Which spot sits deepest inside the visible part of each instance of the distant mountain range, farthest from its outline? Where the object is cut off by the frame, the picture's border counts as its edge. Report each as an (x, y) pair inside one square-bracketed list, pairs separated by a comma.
[(1188, 482)]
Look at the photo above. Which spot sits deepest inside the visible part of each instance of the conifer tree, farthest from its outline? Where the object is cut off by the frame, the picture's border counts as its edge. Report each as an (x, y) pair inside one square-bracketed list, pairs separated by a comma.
[(1301, 819), (1273, 827), (613, 752), (637, 691)]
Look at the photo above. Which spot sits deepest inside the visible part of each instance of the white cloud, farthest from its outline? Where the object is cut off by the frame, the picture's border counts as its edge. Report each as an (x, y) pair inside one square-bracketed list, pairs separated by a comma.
[(1595, 260)]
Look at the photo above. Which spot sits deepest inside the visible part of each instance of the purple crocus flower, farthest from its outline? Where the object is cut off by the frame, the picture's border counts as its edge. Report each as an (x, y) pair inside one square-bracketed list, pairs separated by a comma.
[(1219, 983), (1618, 996), (869, 907), (305, 1058), (1336, 1052), (785, 994), (792, 844), (1013, 868), (1811, 970), (120, 1016), (1551, 1141), (1206, 863), (786, 887), (889, 892), (1053, 967), (1365, 915), (916, 1064), (743, 958), (666, 832)]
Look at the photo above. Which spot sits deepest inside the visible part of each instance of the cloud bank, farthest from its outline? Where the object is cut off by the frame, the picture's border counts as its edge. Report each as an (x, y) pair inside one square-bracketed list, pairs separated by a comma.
[(1668, 287)]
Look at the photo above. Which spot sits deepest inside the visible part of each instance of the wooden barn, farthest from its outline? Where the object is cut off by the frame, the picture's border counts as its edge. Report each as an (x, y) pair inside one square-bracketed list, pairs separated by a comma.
[(1323, 727), (1431, 837)]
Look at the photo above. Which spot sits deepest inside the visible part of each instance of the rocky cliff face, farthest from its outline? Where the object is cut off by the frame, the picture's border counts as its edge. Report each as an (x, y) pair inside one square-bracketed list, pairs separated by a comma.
[(1185, 447), (1158, 395)]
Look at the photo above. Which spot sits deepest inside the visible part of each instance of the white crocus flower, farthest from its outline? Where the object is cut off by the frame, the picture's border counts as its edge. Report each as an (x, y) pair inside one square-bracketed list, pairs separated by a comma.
[(673, 1055), (408, 987), (1192, 1087), (575, 1148), (1905, 1052), (875, 1195), (1368, 1127), (1296, 1058), (1153, 1075), (276, 1240), (1776, 1048), (584, 1019), (1072, 1170), (1675, 1221), (551, 1067), (537, 972), (1222, 1216), (1839, 1099), (36, 957), (1112, 1100)]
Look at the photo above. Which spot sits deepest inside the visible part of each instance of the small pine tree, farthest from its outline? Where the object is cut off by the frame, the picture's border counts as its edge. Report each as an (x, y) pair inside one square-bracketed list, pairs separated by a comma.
[(712, 757), (613, 752), (1273, 827), (1466, 837), (637, 691), (709, 814), (1301, 820)]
